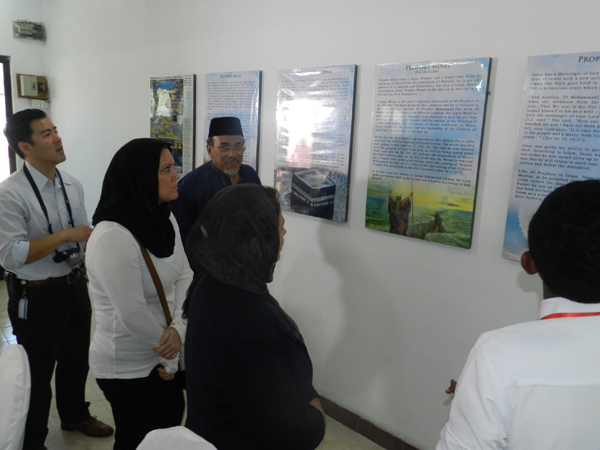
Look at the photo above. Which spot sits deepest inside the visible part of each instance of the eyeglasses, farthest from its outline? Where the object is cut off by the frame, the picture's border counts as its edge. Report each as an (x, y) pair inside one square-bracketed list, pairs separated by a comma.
[(236, 148)]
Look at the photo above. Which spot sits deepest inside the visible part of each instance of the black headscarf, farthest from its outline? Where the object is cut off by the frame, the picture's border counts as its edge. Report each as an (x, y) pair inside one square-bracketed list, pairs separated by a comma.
[(236, 238), (130, 196)]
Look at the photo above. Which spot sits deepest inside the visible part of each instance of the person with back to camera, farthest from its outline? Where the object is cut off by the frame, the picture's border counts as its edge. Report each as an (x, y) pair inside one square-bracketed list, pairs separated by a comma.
[(249, 375), (536, 385), (134, 352)]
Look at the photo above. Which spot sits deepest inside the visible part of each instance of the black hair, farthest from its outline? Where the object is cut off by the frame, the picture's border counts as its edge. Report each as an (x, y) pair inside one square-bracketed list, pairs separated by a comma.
[(274, 197), (18, 128), (129, 196), (564, 241)]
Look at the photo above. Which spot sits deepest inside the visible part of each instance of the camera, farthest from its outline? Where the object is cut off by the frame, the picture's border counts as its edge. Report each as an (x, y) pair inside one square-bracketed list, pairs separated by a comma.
[(71, 256)]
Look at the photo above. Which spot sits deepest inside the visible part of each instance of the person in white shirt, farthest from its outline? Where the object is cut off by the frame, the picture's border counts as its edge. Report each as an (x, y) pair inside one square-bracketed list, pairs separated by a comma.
[(536, 385), (43, 231), (135, 352)]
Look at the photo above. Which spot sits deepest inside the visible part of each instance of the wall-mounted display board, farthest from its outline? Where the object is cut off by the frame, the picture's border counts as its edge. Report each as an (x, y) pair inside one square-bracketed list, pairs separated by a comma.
[(173, 117), (559, 136), (235, 94), (315, 111), (426, 134)]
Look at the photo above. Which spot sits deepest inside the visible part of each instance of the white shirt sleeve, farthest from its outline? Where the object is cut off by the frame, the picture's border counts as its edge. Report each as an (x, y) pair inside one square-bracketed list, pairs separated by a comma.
[(14, 242), (181, 285), (117, 271), (480, 415)]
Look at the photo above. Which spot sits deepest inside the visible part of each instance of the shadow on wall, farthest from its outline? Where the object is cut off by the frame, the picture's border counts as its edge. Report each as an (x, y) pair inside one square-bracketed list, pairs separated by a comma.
[(352, 315), (529, 283)]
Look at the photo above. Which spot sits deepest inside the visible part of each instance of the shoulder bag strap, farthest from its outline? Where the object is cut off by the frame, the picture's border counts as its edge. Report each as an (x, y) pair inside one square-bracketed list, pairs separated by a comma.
[(157, 283)]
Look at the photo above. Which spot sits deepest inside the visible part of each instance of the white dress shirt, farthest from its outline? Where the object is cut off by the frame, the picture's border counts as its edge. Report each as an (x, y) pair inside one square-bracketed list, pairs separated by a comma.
[(534, 385), (129, 317), (22, 220)]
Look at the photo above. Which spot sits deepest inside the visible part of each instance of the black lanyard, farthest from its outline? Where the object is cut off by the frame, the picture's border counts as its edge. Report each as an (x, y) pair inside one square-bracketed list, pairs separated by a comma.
[(39, 197)]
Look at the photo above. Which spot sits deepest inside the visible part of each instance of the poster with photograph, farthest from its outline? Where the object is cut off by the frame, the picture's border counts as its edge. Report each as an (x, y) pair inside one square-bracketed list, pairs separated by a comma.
[(235, 94), (559, 137), (315, 110), (426, 134), (172, 117)]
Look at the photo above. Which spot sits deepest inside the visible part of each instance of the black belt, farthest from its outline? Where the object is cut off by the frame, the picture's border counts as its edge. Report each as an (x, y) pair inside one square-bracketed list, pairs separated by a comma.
[(67, 279)]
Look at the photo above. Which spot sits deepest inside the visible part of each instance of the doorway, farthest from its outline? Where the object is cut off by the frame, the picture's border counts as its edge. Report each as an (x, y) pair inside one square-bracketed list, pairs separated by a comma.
[(8, 163)]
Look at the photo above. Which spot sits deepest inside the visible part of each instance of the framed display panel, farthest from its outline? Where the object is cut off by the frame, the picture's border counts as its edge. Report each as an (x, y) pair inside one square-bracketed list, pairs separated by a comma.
[(173, 117), (315, 114), (559, 137), (426, 135), (235, 94)]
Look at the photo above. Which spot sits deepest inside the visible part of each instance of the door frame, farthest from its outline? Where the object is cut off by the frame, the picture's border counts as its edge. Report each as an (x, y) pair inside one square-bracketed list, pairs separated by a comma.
[(5, 60)]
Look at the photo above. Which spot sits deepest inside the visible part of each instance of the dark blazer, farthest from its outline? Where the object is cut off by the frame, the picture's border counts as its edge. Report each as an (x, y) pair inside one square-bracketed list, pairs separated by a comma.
[(249, 379)]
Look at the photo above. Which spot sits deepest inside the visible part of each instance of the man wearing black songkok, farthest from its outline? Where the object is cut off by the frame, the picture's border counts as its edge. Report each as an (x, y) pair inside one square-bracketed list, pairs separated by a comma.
[(225, 146)]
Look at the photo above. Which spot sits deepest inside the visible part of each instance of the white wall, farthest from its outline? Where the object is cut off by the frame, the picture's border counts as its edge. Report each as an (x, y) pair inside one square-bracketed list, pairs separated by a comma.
[(388, 320), (27, 56)]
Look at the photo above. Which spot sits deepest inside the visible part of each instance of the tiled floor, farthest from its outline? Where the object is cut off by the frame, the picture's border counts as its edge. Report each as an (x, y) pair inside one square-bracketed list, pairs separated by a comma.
[(337, 436)]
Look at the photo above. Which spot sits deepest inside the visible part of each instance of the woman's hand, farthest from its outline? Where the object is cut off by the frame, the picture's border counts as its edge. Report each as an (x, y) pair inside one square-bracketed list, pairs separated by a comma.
[(452, 387), (170, 344), (162, 372), (316, 402)]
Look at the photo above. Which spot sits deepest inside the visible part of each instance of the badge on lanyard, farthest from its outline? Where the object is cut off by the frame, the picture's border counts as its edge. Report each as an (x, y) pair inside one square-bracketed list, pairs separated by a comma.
[(23, 305)]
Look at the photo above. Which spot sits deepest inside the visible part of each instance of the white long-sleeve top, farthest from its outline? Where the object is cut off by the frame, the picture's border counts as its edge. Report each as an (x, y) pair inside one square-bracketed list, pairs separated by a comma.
[(129, 317), (530, 386)]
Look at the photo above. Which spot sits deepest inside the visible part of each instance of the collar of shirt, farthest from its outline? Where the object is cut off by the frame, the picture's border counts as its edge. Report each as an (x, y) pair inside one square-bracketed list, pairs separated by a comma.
[(40, 179), (558, 305)]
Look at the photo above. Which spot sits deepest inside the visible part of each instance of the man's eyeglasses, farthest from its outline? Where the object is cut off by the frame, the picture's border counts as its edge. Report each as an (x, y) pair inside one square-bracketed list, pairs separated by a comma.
[(227, 148)]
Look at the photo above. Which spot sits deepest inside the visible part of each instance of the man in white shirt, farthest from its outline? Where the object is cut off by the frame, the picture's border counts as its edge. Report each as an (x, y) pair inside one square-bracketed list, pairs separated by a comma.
[(43, 229), (536, 385)]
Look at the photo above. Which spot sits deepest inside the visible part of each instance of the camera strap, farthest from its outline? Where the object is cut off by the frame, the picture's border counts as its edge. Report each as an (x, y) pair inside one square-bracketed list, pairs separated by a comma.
[(41, 201)]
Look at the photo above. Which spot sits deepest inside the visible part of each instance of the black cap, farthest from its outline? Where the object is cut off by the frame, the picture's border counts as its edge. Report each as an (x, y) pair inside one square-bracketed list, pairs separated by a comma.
[(225, 126)]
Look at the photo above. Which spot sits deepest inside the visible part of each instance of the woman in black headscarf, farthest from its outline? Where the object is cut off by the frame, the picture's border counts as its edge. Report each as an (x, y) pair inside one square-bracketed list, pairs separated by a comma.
[(134, 353), (249, 376)]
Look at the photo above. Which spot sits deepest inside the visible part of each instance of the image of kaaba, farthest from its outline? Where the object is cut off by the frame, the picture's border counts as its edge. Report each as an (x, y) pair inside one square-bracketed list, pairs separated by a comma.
[(313, 194)]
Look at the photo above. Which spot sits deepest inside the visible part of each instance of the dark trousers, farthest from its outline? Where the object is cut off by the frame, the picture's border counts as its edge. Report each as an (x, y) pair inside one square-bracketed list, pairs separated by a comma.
[(56, 333), (140, 405)]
